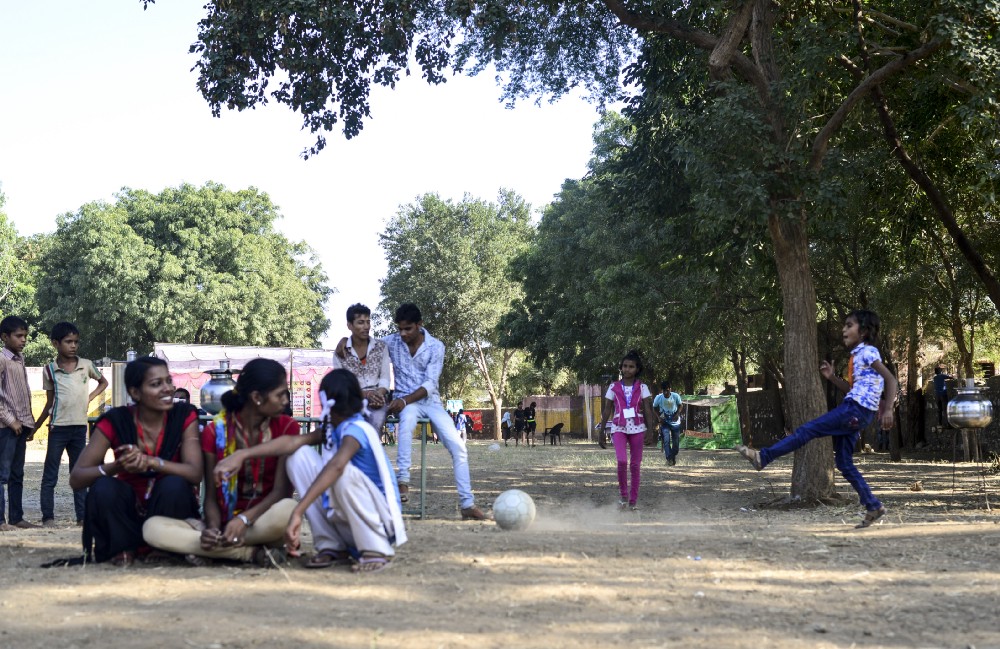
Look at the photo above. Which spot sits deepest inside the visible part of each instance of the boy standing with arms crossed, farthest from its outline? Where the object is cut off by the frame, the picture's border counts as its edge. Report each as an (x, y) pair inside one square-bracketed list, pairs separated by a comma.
[(66, 399), (16, 422)]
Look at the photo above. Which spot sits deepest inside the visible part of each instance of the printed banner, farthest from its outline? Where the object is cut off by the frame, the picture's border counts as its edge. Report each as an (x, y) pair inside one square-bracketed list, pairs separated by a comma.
[(712, 423)]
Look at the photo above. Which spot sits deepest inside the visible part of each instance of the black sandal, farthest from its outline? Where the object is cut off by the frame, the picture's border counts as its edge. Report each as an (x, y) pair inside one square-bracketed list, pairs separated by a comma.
[(326, 558)]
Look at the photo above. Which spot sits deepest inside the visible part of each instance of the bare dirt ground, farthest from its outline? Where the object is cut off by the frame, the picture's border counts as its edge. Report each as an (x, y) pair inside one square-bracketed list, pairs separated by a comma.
[(700, 565)]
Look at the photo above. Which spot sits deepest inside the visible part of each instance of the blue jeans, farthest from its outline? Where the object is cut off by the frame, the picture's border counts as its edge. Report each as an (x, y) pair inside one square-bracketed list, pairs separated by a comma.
[(71, 439), (844, 424), (671, 444), (12, 449)]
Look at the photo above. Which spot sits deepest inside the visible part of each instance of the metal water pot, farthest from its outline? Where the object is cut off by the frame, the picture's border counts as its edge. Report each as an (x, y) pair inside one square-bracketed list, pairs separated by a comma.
[(220, 383), (970, 409)]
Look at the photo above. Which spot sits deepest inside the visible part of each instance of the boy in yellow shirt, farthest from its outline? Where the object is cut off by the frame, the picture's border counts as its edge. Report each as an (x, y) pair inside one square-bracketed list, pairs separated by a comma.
[(67, 400)]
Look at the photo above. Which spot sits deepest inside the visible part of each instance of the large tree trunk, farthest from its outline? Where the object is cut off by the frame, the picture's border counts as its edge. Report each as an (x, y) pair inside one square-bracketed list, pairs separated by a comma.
[(497, 416), (689, 387), (812, 474)]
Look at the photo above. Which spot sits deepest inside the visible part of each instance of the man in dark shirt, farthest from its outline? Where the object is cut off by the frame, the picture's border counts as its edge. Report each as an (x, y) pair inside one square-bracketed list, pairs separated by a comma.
[(519, 423), (941, 392)]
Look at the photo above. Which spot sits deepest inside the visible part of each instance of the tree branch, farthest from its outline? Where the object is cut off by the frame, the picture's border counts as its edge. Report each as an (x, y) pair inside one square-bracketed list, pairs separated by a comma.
[(884, 17), (720, 59), (700, 39), (822, 142)]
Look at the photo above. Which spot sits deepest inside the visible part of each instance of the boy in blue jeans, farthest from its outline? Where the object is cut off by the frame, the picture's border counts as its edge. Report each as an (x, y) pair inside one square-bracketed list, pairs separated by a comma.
[(16, 422), (668, 405), (66, 400)]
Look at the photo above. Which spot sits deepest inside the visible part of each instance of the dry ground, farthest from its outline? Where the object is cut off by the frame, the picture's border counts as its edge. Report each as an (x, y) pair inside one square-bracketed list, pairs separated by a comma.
[(700, 565)]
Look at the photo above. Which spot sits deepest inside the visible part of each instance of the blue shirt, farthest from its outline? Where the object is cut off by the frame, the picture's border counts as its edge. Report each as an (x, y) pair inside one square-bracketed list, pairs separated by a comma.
[(421, 370), (868, 384), (939, 384), (364, 459), (667, 405)]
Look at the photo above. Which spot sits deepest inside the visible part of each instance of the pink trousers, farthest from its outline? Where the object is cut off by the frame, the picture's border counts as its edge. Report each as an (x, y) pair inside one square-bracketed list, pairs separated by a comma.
[(634, 445)]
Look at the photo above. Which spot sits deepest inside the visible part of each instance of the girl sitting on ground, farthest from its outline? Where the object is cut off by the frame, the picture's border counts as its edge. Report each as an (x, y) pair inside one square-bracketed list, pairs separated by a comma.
[(246, 514), (348, 489), (156, 468)]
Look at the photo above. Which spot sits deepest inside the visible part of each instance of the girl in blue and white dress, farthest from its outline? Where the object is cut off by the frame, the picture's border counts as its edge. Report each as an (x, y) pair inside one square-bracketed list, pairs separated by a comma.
[(348, 491), (872, 392)]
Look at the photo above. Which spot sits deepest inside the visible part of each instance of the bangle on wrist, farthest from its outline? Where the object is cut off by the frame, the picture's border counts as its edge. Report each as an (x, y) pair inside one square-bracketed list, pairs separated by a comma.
[(100, 469), (243, 517)]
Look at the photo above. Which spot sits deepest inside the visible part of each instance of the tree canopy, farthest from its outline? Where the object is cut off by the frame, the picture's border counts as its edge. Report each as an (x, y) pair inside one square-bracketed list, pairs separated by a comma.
[(767, 98), (190, 264), (452, 259), (8, 257)]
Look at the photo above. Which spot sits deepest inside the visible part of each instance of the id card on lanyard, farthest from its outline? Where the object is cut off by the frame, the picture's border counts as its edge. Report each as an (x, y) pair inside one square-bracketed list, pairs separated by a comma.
[(629, 411)]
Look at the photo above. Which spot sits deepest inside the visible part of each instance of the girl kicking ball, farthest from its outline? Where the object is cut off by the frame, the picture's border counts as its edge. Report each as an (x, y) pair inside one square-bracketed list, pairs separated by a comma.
[(871, 380)]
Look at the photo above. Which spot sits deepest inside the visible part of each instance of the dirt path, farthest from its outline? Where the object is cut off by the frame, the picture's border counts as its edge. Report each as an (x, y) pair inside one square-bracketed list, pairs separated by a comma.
[(698, 566)]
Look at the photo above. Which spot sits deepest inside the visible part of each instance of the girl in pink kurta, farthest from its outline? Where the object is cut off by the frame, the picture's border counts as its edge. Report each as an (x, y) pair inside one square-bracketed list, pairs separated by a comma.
[(631, 403)]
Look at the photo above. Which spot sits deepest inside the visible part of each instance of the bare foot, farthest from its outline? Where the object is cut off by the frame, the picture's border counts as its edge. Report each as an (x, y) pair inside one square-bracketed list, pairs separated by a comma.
[(372, 563), (196, 524)]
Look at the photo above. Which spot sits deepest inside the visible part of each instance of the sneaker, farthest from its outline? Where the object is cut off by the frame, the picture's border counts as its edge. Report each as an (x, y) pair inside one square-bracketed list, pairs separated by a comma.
[(50, 522), (622, 505), (870, 518), (633, 506), (473, 514), (751, 454)]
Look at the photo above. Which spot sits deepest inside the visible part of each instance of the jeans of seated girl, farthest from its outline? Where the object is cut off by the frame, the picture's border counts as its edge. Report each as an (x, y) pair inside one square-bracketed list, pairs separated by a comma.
[(844, 424)]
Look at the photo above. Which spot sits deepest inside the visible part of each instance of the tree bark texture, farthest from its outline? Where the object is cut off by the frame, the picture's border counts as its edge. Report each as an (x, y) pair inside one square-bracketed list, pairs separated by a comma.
[(812, 474)]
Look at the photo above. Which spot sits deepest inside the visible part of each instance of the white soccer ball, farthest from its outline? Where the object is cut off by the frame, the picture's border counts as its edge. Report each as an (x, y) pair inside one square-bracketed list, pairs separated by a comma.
[(514, 510)]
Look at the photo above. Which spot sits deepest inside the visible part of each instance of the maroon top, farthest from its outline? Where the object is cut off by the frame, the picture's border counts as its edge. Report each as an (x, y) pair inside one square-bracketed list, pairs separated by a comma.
[(256, 477)]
